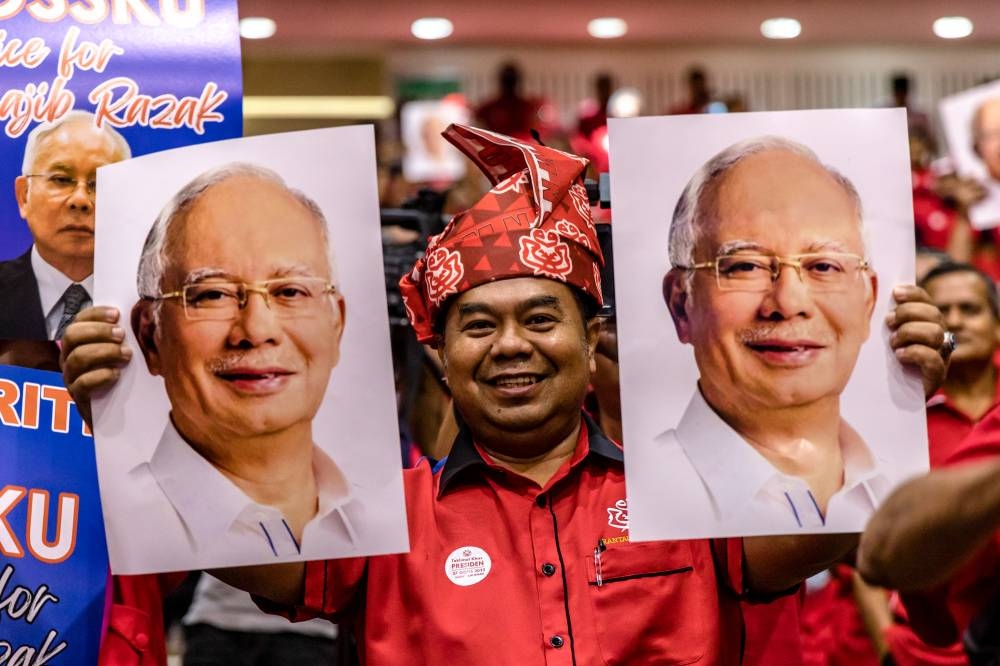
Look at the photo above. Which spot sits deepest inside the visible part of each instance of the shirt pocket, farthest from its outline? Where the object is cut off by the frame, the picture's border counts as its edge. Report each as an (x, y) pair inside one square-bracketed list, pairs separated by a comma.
[(646, 604)]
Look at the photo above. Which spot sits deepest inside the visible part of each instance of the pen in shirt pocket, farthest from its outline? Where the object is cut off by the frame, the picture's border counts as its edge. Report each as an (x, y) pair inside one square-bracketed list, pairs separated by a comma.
[(600, 548)]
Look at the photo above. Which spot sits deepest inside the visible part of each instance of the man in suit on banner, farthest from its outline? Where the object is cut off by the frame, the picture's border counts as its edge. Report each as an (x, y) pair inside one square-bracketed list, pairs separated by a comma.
[(43, 289)]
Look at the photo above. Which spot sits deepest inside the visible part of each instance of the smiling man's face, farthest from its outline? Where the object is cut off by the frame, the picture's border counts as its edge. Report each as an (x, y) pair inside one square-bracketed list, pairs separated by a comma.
[(260, 372), (518, 355), (787, 345)]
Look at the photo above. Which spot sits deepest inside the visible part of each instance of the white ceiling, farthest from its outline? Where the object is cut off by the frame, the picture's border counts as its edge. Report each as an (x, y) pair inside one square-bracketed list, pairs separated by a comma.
[(336, 26)]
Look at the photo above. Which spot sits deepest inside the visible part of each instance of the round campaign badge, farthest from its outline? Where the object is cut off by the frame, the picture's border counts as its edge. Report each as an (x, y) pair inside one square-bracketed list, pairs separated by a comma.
[(467, 565)]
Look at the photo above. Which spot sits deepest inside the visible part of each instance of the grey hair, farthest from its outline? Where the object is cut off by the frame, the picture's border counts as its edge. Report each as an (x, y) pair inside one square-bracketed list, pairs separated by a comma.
[(690, 209), (153, 260), (42, 131)]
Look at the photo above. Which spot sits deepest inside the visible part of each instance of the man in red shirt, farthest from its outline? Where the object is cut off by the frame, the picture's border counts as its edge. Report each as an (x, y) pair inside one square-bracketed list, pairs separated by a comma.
[(967, 298), (520, 552), (511, 113)]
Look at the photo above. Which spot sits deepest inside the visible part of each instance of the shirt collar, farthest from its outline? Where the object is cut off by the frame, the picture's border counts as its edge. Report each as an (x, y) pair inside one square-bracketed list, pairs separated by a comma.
[(464, 454), (940, 399), (718, 452), (184, 476), (52, 284)]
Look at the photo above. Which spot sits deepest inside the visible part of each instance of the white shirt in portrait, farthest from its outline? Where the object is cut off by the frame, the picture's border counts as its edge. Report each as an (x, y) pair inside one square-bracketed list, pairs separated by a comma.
[(198, 518), (717, 484)]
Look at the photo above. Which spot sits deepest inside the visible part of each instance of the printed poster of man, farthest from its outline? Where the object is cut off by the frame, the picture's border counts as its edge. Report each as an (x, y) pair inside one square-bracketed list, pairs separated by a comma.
[(84, 85), (428, 156), (256, 422), (971, 122), (755, 256)]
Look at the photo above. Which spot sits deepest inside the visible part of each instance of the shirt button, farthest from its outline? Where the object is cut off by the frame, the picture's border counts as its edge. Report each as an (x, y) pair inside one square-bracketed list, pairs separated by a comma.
[(540, 501), (556, 641), (141, 641), (548, 568)]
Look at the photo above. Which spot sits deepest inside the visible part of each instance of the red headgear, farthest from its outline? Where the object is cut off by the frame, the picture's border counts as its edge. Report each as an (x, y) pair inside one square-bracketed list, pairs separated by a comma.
[(535, 222)]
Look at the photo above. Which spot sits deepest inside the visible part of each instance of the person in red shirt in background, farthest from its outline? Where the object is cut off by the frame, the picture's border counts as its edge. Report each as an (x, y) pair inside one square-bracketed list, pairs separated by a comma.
[(937, 539), (967, 298), (513, 114), (590, 139), (940, 211), (699, 93)]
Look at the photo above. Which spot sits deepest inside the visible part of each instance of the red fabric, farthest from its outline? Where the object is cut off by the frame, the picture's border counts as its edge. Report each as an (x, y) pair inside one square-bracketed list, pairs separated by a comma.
[(934, 221), (948, 426), (659, 602), (969, 590), (593, 146), (772, 632), (535, 222), (832, 631), (135, 634), (908, 650)]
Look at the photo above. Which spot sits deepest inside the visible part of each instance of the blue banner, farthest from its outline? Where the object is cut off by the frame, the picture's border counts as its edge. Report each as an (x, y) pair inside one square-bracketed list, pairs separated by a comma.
[(163, 73), (53, 555)]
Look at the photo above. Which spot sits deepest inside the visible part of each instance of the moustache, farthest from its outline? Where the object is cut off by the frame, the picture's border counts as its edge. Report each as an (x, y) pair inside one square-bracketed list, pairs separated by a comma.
[(757, 334)]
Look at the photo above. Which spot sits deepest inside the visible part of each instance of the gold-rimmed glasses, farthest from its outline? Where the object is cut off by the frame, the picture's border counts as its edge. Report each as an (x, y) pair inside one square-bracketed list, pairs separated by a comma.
[(820, 271), (222, 300), (62, 184)]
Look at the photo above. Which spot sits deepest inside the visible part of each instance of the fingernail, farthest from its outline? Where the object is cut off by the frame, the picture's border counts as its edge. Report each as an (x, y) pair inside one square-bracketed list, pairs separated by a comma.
[(118, 333), (890, 318), (126, 351), (898, 292), (112, 314)]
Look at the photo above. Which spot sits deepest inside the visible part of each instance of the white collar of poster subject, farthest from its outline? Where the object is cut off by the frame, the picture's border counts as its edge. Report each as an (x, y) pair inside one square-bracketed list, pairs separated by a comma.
[(215, 512), (744, 479), (52, 284)]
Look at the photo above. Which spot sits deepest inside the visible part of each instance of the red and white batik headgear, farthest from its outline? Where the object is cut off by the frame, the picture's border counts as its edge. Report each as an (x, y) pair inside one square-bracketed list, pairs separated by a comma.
[(535, 222)]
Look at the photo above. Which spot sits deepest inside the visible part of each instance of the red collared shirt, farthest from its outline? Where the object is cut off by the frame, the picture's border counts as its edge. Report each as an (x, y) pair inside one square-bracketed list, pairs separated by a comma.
[(773, 632), (501, 571), (948, 426), (971, 588)]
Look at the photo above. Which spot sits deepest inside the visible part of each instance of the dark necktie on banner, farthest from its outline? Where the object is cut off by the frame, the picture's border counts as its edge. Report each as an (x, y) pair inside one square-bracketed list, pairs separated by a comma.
[(73, 299)]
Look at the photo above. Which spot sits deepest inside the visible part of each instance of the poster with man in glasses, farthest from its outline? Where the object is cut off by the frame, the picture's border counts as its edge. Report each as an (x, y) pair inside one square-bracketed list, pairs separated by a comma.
[(760, 394), (84, 85), (255, 422), (971, 121)]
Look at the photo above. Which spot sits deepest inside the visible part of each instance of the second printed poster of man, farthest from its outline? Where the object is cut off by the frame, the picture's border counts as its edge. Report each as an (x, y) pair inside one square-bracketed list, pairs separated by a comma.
[(256, 421), (759, 391)]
